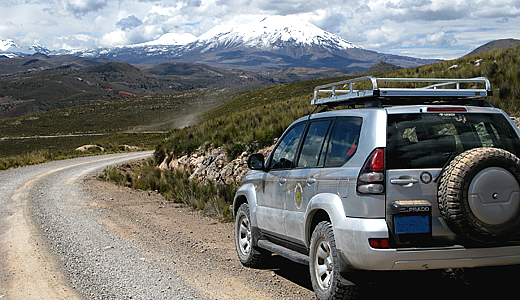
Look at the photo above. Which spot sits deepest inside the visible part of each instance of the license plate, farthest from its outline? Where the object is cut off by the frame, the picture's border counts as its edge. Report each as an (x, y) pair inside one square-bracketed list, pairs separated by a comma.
[(411, 224)]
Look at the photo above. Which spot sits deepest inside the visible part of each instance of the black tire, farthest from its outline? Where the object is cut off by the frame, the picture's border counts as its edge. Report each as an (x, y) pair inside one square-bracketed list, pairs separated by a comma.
[(248, 255), (478, 195), (324, 266)]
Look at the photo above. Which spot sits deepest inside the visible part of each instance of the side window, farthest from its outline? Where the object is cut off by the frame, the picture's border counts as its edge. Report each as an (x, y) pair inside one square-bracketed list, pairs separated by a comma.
[(285, 153), (344, 141), (313, 144)]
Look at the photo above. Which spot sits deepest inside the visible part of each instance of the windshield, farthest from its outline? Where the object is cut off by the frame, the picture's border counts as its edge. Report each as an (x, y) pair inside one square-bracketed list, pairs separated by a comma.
[(428, 140)]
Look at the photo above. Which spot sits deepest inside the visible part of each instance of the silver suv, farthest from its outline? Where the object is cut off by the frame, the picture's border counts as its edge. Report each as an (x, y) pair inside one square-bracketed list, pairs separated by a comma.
[(418, 174)]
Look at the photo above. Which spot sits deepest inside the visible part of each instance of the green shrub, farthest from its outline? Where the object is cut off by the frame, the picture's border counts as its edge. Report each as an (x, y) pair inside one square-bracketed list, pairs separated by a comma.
[(175, 185)]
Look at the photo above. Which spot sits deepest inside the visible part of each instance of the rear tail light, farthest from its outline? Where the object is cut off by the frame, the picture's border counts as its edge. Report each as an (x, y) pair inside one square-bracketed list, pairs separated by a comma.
[(446, 109), (379, 243), (371, 179)]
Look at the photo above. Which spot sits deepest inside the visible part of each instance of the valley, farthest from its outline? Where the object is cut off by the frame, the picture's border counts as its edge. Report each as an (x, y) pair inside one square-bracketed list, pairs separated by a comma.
[(100, 240)]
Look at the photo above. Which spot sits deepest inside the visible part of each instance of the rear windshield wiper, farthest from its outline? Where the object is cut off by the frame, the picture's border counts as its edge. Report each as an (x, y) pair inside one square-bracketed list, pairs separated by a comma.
[(450, 158)]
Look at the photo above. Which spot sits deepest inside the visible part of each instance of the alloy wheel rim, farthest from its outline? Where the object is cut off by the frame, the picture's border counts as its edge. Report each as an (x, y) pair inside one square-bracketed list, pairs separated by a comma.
[(244, 238), (324, 264)]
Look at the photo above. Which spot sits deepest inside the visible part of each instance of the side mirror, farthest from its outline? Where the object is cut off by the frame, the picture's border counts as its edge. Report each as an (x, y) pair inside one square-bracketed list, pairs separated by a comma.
[(256, 161)]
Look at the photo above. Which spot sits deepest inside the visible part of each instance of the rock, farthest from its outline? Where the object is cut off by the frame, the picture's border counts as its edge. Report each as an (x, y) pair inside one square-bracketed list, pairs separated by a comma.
[(88, 147), (212, 164), (130, 148)]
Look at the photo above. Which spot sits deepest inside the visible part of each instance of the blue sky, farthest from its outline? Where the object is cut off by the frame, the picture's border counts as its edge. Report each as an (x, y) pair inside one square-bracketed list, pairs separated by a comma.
[(443, 29)]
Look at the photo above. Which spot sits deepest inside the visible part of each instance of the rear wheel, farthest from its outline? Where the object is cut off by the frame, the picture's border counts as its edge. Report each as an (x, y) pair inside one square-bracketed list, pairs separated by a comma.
[(479, 195), (247, 254), (324, 266)]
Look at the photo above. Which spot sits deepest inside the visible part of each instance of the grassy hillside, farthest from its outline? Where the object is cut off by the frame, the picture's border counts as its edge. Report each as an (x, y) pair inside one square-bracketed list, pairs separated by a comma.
[(135, 114), (141, 122), (255, 119), (495, 45)]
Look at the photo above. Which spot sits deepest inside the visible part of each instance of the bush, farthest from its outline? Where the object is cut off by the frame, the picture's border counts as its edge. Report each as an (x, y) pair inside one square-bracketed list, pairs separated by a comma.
[(175, 185)]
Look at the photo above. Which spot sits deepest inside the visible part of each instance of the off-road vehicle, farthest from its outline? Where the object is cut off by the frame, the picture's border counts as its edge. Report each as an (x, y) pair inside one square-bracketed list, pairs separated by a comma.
[(412, 174)]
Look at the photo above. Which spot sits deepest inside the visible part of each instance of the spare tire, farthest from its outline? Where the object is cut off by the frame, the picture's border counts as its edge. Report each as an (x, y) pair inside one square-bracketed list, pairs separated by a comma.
[(479, 195)]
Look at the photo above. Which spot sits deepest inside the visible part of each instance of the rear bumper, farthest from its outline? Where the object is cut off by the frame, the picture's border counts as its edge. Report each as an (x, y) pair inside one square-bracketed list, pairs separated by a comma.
[(352, 236)]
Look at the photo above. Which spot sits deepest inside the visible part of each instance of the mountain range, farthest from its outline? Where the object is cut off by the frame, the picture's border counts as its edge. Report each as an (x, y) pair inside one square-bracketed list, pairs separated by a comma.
[(273, 43), (273, 51)]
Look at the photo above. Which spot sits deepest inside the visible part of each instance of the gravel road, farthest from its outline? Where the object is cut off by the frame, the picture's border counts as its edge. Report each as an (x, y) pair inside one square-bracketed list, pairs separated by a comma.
[(66, 235)]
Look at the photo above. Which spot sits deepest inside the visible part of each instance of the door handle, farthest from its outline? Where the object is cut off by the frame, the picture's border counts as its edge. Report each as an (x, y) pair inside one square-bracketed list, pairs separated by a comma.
[(282, 181), (404, 181), (311, 180)]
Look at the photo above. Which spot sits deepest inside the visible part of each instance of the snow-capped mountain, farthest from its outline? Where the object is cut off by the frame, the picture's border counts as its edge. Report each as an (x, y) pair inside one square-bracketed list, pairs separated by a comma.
[(171, 38), (273, 33), (272, 43), (6, 44), (10, 48)]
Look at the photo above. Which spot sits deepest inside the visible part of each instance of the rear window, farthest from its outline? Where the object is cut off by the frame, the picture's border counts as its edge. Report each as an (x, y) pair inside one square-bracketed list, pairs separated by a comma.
[(428, 140)]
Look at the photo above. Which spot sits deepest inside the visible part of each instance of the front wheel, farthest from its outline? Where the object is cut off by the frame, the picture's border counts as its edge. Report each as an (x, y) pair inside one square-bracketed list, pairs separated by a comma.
[(247, 254), (324, 266)]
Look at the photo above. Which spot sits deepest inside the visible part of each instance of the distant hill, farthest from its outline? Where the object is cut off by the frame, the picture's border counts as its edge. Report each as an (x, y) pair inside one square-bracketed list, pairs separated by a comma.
[(44, 89), (495, 45), (298, 74), (186, 76), (381, 67), (43, 62)]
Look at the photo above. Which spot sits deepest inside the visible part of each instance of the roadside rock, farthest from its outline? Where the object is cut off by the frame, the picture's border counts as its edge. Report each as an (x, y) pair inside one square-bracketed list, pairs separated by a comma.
[(131, 148), (212, 164), (88, 147)]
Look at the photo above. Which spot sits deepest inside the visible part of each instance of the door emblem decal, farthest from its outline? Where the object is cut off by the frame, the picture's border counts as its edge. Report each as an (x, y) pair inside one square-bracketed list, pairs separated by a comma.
[(298, 196)]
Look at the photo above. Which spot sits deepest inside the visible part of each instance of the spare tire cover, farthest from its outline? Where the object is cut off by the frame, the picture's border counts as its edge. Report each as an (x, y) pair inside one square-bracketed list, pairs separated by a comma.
[(479, 195)]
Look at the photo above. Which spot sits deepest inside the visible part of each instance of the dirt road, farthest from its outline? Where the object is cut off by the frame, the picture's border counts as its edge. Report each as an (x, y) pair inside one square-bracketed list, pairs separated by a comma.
[(66, 235)]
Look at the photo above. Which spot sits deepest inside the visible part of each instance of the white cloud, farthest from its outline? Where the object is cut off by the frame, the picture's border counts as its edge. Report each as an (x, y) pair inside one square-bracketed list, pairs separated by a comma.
[(80, 8), (440, 39), (385, 36), (75, 41), (129, 22), (130, 36)]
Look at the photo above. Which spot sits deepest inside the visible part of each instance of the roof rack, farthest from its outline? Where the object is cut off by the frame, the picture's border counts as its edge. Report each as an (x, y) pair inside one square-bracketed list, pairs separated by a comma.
[(424, 90)]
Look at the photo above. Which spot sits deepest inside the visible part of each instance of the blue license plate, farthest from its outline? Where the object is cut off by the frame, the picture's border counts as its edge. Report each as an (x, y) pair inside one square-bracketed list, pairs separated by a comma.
[(411, 224)]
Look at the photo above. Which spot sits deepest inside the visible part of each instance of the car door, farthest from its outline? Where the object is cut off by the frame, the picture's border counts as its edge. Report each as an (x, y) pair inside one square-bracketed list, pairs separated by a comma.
[(302, 180), (339, 175), (271, 198)]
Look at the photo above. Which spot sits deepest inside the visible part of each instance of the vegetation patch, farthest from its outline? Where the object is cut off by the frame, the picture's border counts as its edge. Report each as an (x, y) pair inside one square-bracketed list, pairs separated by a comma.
[(175, 185), (111, 125)]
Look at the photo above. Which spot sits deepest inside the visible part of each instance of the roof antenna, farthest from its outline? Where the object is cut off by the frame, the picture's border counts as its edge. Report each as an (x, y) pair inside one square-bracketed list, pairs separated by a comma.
[(315, 109)]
